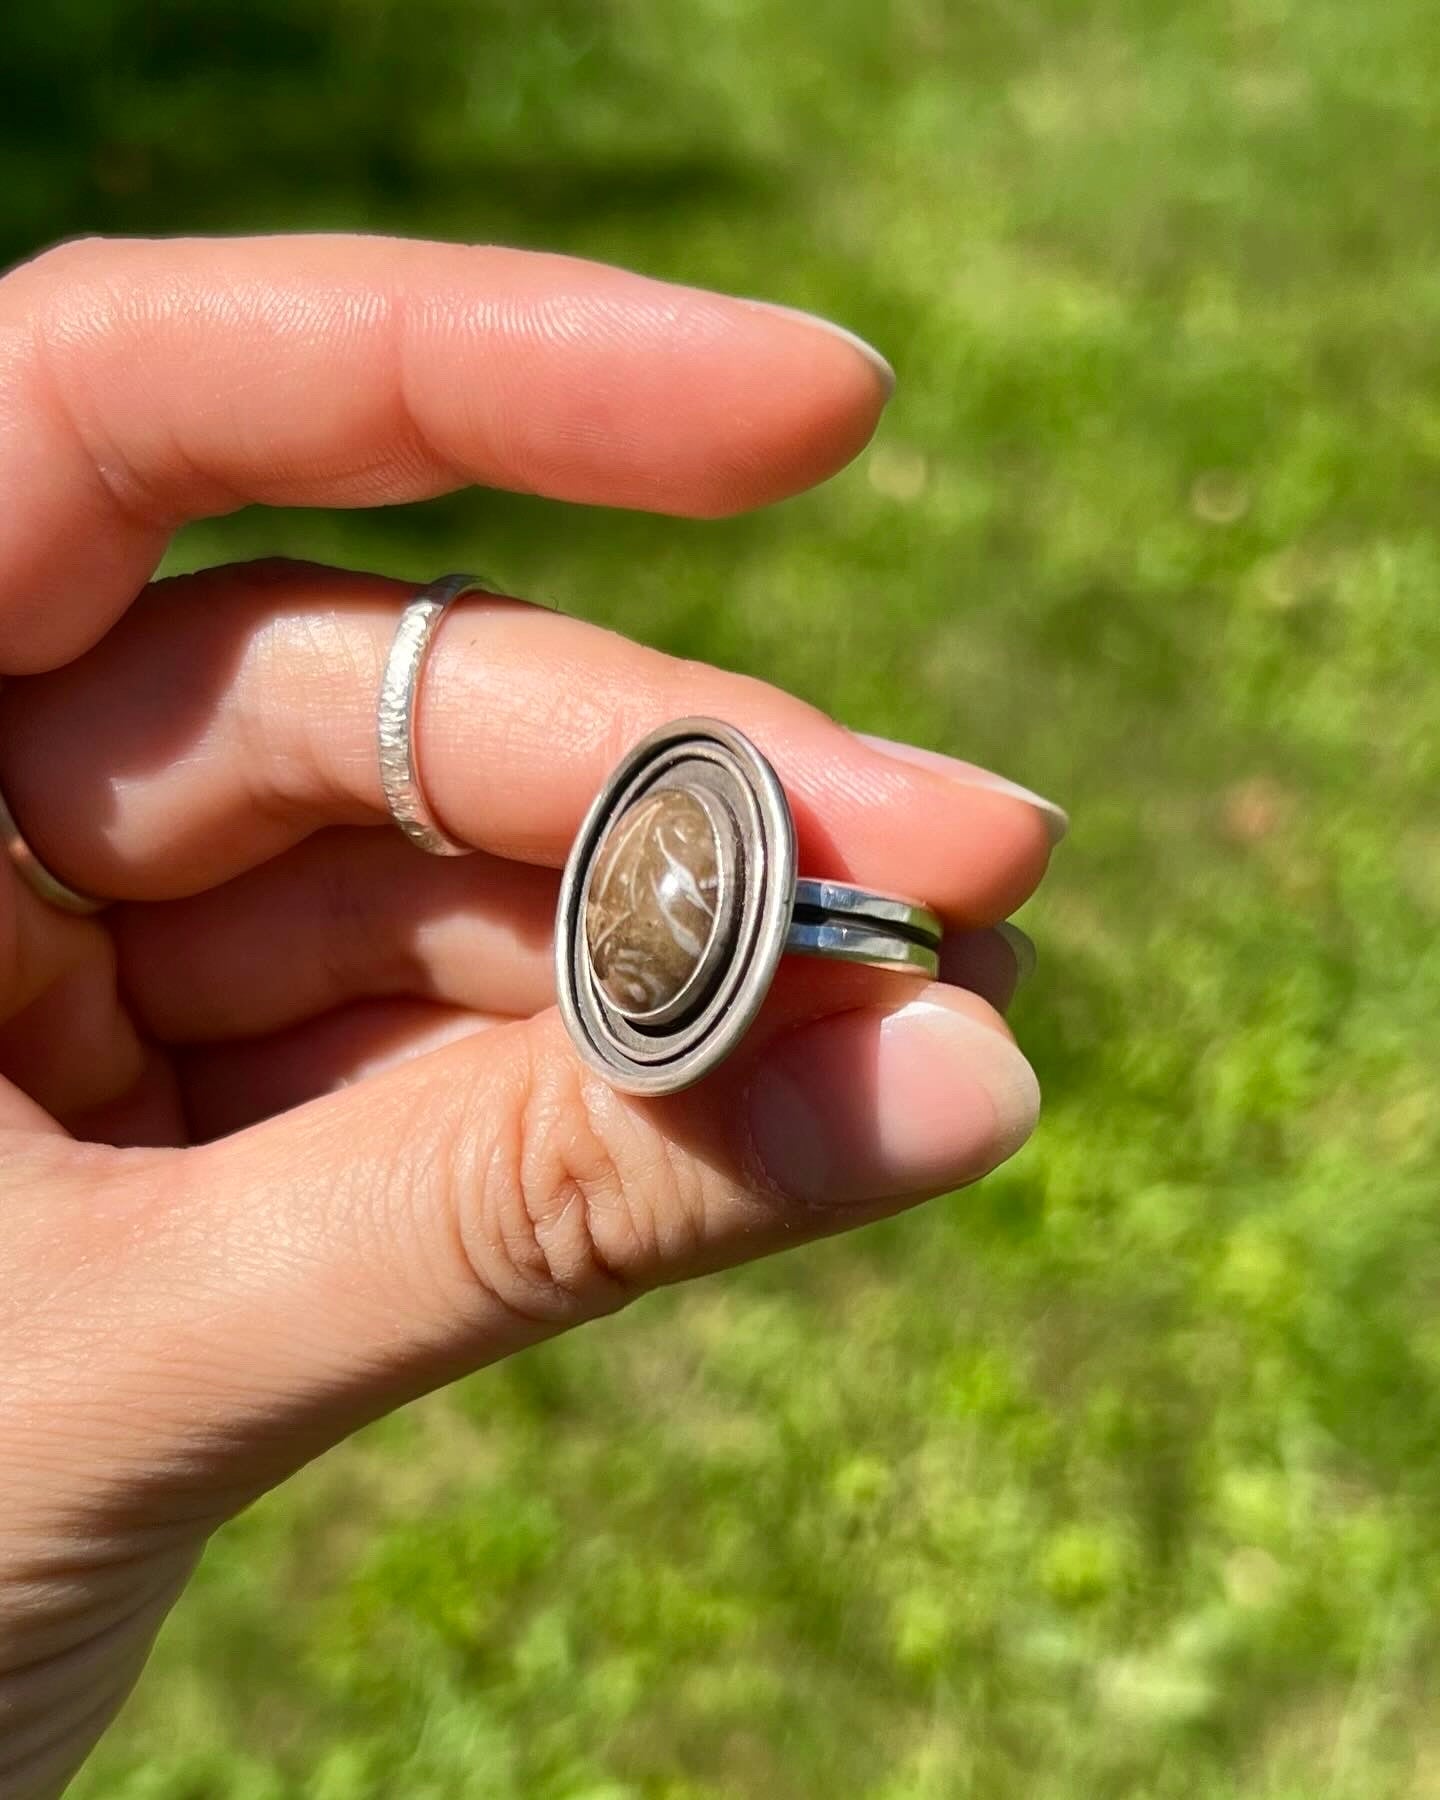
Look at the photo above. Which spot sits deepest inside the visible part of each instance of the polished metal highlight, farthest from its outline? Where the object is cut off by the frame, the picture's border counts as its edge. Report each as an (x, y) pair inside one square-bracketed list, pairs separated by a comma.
[(400, 775), (837, 899), (36, 876), (714, 919)]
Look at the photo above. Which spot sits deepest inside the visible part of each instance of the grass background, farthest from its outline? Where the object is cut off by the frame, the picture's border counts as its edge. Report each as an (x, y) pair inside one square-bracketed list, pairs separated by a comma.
[(1118, 1476)]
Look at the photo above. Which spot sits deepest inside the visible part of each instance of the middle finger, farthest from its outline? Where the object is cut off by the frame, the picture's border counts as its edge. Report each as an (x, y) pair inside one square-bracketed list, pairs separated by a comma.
[(232, 713)]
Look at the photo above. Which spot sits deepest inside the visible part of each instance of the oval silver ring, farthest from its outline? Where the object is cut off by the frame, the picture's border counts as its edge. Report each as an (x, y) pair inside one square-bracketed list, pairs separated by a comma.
[(681, 895)]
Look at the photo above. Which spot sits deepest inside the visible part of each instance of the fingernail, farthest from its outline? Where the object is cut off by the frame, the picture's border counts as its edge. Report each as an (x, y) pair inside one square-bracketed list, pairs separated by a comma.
[(868, 1106), (1023, 949), (876, 361), (1057, 820)]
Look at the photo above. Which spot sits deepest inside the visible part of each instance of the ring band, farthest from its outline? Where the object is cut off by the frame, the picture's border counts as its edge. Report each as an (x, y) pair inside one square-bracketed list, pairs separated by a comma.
[(399, 769), (395, 716), (679, 898), (36, 876), (850, 924)]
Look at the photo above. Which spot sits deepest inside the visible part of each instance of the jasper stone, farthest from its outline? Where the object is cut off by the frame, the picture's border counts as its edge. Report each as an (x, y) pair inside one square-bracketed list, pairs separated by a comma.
[(651, 911)]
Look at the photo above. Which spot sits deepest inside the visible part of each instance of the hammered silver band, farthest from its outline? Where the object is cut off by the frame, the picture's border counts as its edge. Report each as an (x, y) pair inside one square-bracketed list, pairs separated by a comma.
[(400, 774), (36, 876)]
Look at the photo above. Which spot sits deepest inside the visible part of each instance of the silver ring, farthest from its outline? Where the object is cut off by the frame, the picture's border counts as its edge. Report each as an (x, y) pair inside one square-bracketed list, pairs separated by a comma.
[(395, 715), (679, 898), (36, 876)]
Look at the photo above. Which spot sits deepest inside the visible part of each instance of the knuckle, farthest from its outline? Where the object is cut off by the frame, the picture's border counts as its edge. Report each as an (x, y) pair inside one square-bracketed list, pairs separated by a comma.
[(66, 260), (80, 320), (574, 1198), (75, 296), (290, 753)]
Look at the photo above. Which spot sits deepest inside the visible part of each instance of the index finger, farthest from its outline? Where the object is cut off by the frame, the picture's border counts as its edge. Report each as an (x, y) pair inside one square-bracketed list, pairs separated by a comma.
[(146, 383)]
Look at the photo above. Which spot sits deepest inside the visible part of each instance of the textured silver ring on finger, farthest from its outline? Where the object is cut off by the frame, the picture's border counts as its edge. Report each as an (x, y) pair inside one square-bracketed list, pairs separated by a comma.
[(680, 896), (400, 777)]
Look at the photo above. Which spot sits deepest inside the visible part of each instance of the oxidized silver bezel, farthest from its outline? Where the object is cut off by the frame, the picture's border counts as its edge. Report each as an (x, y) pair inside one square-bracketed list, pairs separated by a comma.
[(758, 887)]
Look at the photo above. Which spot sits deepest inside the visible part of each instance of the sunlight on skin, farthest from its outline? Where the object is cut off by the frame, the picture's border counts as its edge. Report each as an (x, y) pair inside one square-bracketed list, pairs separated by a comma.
[(415, 1193)]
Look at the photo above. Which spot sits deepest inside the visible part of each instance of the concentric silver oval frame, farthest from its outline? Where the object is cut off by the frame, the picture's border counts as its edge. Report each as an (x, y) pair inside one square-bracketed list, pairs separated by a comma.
[(634, 1061)]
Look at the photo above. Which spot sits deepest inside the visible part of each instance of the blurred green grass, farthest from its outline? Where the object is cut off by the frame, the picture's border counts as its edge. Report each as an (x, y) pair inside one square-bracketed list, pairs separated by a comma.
[(1119, 1475)]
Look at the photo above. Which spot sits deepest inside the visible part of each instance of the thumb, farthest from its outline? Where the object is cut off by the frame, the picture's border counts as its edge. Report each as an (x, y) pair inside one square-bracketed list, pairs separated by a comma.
[(277, 1288)]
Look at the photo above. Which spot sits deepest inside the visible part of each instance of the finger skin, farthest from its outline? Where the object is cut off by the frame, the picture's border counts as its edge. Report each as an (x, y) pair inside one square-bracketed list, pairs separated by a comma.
[(228, 1086), (270, 1054), (149, 1114), (64, 1040), (181, 1328), (345, 915), (351, 914), (143, 383), (315, 1269), (245, 1304), (984, 962), (232, 713), (74, 1047)]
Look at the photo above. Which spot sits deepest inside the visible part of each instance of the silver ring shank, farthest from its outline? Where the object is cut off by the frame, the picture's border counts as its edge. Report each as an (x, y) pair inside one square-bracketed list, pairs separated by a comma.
[(854, 942), (395, 715), (889, 910), (36, 876), (850, 924)]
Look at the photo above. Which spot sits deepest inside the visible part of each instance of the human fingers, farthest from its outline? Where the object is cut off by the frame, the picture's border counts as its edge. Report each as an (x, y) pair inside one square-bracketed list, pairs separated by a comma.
[(232, 713), (265, 1292), (150, 382), (994, 964), (228, 1311), (350, 915), (65, 1041), (231, 1083), (227, 1086), (346, 915)]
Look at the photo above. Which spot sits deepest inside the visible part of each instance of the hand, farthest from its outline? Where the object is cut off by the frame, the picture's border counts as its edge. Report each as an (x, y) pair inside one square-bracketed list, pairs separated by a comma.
[(223, 1249)]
